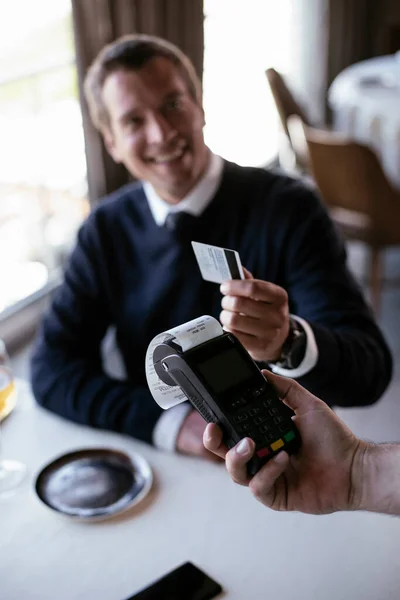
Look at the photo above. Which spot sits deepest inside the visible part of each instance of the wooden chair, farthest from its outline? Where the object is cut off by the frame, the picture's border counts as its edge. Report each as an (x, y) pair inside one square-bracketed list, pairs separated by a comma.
[(361, 200), (287, 106)]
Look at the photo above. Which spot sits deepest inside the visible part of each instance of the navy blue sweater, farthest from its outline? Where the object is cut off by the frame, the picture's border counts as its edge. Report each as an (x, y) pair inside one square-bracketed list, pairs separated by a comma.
[(128, 272)]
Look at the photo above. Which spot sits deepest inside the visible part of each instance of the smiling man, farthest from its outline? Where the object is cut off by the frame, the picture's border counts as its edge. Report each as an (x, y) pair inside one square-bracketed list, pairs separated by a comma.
[(156, 128), (298, 312)]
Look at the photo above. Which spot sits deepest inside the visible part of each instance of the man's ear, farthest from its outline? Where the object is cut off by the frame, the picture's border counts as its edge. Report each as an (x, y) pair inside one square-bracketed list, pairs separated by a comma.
[(110, 145), (204, 115)]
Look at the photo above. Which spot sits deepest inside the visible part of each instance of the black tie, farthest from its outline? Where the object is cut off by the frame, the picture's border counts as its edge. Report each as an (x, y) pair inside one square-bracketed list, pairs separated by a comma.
[(181, 224)]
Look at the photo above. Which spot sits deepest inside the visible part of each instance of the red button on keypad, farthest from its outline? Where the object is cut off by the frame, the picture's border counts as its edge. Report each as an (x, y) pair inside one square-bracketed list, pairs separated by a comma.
[(263, 452)]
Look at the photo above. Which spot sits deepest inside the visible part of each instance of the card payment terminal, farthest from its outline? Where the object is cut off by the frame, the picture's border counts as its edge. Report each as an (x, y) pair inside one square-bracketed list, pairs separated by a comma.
[(224, 384)]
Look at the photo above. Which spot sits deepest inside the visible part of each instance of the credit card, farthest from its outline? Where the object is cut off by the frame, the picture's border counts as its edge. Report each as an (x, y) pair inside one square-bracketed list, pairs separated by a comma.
[(218, 264)]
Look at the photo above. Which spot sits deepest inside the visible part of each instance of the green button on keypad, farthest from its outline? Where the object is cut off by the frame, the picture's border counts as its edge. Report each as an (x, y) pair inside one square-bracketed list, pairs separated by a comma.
[(289, 436)]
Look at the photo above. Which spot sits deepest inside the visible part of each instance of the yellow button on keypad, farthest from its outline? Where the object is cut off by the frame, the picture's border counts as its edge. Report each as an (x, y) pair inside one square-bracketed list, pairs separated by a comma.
[(276, 445)]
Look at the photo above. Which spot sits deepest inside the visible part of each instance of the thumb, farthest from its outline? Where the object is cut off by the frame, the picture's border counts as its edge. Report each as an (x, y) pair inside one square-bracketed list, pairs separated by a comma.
[(288, 390)]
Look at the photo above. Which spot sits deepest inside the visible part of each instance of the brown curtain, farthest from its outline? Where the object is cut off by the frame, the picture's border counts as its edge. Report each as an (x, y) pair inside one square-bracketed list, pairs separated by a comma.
[(351, 33), (98, 22)]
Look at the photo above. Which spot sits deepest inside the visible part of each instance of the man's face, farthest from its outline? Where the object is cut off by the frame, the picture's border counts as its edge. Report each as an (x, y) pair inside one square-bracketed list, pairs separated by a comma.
[(156, 127)]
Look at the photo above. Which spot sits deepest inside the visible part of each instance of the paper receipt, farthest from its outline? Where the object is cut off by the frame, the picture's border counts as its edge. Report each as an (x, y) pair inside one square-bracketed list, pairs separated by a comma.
[(188, 335)]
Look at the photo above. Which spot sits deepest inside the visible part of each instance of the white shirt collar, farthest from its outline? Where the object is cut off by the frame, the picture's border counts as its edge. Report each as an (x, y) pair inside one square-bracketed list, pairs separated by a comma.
[(196, 200)]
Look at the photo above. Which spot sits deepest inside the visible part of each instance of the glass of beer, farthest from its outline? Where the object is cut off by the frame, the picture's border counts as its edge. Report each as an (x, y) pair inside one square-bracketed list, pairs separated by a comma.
[(12, 472)]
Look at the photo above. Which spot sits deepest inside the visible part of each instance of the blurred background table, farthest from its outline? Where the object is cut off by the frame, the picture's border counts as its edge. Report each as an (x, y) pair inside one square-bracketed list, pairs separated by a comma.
[(365, 101), (195, 512)]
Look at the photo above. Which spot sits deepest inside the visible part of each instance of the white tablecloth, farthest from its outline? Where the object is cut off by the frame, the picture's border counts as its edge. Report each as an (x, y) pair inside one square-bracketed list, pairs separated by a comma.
[(195, 512), (365, 100)]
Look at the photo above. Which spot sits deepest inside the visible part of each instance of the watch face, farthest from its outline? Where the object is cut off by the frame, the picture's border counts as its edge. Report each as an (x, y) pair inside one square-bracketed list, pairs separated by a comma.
[(298, 350), (294, 348)]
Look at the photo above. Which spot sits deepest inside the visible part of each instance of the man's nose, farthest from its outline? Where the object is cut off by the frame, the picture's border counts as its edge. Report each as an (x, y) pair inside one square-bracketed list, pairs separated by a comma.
[(159, 130)]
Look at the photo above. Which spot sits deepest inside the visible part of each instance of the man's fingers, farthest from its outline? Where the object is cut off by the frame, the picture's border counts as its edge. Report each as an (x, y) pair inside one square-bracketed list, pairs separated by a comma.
[(212, 440), (248, 325), (212, 457), (237, 459), (262, 484), (282, 385), (291, 392), (270, 315), (255, 289)]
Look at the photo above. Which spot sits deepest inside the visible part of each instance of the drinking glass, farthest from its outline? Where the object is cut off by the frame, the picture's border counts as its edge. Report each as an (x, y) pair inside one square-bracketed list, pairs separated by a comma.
[(12, 472)]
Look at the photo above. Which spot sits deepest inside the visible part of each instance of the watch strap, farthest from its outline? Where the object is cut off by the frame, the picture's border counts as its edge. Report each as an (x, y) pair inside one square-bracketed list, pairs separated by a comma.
[(294, 347)]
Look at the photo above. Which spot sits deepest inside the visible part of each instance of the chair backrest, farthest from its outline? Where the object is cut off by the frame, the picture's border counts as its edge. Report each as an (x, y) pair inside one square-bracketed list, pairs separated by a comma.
[(284, 99), (349, 176), (298, 140)]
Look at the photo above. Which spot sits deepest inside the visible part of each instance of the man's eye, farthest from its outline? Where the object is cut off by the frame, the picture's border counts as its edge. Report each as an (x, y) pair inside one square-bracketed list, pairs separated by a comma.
[(174, 104), (134, 122)]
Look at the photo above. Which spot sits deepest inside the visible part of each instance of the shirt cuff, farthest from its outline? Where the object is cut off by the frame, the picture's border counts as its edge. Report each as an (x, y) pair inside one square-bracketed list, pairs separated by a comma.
[(310, 356), (168, 426)]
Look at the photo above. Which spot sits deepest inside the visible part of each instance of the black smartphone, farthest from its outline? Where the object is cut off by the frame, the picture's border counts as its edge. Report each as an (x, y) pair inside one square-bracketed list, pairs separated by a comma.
[(186, 582)]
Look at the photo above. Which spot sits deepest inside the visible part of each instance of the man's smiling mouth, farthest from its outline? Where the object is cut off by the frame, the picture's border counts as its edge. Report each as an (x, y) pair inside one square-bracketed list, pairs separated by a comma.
[(168, 157)]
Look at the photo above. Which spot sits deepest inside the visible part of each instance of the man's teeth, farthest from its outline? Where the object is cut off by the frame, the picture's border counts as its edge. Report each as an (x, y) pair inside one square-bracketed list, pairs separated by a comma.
[(168, 157)]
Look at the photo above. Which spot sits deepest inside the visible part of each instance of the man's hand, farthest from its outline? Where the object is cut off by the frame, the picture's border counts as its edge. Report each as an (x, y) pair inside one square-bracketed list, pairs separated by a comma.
[(324, 477), (190, 437), (257, 313)]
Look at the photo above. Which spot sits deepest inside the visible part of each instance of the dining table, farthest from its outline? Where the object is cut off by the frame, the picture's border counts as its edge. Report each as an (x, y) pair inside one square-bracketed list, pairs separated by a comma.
[(365, 103), (193, 512)]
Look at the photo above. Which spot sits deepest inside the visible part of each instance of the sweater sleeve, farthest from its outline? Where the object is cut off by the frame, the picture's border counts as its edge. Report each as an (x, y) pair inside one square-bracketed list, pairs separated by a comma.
[(354, 363), (66, 368)]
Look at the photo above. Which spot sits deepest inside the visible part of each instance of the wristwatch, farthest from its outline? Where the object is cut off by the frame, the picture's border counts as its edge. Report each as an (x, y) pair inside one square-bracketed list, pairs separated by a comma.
[(294, 347)]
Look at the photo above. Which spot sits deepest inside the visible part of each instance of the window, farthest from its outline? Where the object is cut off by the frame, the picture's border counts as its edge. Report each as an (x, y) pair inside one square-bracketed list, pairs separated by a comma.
[(43, 195), (242, 38)]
